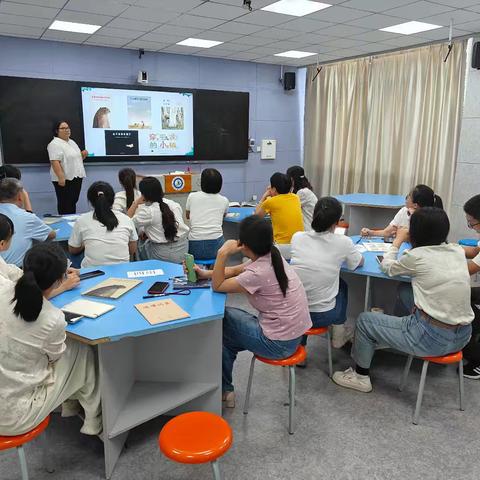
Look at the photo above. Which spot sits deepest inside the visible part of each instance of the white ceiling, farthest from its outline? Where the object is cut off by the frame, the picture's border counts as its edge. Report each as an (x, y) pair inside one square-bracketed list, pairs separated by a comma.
[(348, 28)]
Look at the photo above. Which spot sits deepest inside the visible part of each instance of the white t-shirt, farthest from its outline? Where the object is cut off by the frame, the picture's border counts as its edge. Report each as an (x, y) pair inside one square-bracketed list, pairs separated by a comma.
[(206, 215), (120, 201), (9, 271), (149, 218), (440, 280), (101, 246), (401, 219), (308, 201), (69, 156), (317, 259)]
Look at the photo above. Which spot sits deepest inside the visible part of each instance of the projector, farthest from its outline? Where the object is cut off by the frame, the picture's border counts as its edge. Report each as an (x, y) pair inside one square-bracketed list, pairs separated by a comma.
[(142, 77)]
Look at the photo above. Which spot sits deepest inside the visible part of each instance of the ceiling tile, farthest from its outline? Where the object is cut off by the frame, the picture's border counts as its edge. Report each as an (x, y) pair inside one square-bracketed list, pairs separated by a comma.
[(160, 38), (151, 46), (469, 27), (256, 4), (214, 52), (177, 31), (195, 21), (456, 3), (24, 21), (341, 30), (375, 21), (338, 14), (343, 43), (28, 10), (375, 36), (150, 14), (235, 47), (131, 24), (276, 33), (181, 49), (475, 8), (220, 36), (458, 16), (285, 45), (43, 3), (240, 28), (20, 30), (80, 17), (266, 50), (178, 6), (404, 41), (312, 38), (105, 7), (119, 32), (65, 36), (443, 33), (218, 10), (254, 40), (244, 55), (268, 19), (306, 25), (375, 5), (418, 10), (104, 41)]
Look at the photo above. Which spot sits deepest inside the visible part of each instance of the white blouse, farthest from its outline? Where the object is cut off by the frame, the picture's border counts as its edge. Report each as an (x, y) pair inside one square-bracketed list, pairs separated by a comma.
[(120, 201), (308, 201), (69, 156)]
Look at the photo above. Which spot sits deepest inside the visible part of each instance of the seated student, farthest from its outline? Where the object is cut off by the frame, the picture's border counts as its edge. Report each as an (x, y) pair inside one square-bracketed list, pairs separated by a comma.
[(39, 367), (420, 196), (124, 199), (285, 211), (441, 318), (471, 352), (317, 257), (13, 273), (9, 171), (272, 287), (302, 187), (28, 227), (162, 222), (107, 237), (206, 210)]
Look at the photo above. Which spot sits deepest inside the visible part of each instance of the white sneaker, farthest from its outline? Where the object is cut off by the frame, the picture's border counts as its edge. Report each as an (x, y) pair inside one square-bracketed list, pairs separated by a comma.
[(341, 335), (92, 426), (229, 399), (351, 379)]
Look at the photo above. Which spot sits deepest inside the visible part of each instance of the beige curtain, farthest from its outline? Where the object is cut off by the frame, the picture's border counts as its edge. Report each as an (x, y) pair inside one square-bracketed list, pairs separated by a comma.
[(383, 124)]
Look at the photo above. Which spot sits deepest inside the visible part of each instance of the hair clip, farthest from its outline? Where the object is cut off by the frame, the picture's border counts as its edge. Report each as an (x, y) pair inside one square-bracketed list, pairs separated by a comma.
[(100, 193)]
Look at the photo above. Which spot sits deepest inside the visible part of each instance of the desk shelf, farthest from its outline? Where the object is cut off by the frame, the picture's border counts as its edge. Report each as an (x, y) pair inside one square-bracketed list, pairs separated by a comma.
[(147, 400)]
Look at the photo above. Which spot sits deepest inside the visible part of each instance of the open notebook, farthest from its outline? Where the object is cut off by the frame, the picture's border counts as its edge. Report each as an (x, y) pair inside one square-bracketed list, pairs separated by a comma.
[(87, 308)]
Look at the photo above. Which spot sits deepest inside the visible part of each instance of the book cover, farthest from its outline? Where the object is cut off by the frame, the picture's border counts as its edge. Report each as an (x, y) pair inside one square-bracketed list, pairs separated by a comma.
[(161, 311), (112, 288)]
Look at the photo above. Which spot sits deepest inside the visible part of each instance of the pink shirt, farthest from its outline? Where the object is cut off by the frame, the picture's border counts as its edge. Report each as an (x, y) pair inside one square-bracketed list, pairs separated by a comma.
[(281, 318)]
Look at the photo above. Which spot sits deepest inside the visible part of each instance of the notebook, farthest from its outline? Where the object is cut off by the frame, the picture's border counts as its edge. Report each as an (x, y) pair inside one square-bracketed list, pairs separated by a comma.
[(112, 288), (161, 311), (87, 308), (180, 283)]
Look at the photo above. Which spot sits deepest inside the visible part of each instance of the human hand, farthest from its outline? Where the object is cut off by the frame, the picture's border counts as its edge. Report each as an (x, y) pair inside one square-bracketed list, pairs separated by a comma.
[(201, 273), (61, 182), (365, 232), (230, 247), (72, 280), (84, 154)]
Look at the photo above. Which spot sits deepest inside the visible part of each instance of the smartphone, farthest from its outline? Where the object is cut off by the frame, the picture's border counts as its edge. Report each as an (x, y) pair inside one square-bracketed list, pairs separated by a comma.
[(379, 258), (157, 288), (95, 273), (72, 318), (190, 262)]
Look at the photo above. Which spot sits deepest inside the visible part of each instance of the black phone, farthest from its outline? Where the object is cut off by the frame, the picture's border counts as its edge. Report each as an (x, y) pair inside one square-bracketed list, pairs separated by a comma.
[(157, 288), (72, 318), (95, 273), (379, 258)]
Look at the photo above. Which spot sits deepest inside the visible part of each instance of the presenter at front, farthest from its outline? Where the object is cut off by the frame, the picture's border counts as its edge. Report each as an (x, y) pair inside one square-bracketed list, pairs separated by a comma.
[(67, 170)]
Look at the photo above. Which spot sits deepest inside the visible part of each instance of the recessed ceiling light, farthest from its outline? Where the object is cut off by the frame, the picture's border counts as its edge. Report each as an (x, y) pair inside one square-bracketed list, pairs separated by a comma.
[(295, 54), (409, 28), (74, 27), (297, 8), (198, 42)]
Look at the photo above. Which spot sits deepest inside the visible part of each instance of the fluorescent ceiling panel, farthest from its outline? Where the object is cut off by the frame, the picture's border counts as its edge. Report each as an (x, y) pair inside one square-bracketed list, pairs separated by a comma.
[(198, 42), (73, 27), (295, 54), (297, 8), (409, 28)]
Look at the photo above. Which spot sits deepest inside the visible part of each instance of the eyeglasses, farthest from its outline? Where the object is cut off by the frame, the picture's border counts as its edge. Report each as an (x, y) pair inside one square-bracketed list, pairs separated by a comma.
[(64, 128), (472, 225)]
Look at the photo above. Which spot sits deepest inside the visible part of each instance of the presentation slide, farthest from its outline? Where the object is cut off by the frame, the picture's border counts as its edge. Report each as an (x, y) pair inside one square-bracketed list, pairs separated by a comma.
[(137, 122)]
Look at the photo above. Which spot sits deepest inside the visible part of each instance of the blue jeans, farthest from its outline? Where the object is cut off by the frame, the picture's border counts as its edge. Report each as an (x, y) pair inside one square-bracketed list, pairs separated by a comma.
[(242, 331), (205, 249), (335, 316), (411, 334)]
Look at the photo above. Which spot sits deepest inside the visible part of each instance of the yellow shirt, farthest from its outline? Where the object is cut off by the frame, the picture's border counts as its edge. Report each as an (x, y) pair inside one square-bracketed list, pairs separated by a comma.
[(285, 211)]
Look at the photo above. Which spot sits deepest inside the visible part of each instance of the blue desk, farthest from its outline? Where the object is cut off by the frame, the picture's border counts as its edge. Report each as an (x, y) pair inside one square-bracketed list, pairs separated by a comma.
[(151, 370), (61, 227), (369, 210), (243, 212)]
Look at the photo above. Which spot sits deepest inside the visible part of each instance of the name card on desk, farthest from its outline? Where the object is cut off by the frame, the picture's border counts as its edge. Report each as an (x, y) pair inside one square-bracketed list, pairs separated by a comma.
[(145, 273)]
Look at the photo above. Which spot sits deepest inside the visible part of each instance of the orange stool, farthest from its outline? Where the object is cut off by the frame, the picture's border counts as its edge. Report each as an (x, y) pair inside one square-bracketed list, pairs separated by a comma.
[(196, 437), (299, 356), (456, 357), (18, 441), (324, 331)]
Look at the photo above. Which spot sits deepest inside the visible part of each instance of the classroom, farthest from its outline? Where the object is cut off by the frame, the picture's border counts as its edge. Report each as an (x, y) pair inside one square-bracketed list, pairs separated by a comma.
[(239, 239)]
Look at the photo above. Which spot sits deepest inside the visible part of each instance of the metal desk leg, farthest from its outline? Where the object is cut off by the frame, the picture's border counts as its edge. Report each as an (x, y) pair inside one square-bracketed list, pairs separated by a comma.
[(367, 295)]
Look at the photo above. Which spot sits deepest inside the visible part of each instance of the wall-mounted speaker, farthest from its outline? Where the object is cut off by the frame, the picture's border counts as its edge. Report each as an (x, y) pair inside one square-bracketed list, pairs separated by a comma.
[(289, 80), (476, 56)]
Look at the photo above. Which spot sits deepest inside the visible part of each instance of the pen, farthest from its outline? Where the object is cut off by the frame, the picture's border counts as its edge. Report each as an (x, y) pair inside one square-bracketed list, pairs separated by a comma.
[(358, 241), (155, 296)]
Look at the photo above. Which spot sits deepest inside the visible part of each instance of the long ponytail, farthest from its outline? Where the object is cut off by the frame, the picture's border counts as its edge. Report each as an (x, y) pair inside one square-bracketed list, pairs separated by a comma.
[(424, 196), (256, 233), (44, 264), (101, 196), (151, 189), (128, 179)]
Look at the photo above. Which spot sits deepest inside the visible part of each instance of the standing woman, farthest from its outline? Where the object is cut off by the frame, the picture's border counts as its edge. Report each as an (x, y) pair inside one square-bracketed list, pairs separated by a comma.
[(67, 170), (302, 187)]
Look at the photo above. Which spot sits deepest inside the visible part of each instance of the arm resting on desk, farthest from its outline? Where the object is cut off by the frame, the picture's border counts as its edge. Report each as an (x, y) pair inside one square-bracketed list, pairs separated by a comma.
[(75, 250), (406, 265), (471, 252)]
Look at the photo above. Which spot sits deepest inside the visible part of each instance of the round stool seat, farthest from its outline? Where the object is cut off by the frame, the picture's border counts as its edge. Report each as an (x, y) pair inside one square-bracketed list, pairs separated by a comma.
[(317, 331), (7, 442), (299, 356), (195, 437), (446, 359), (209, 261)]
